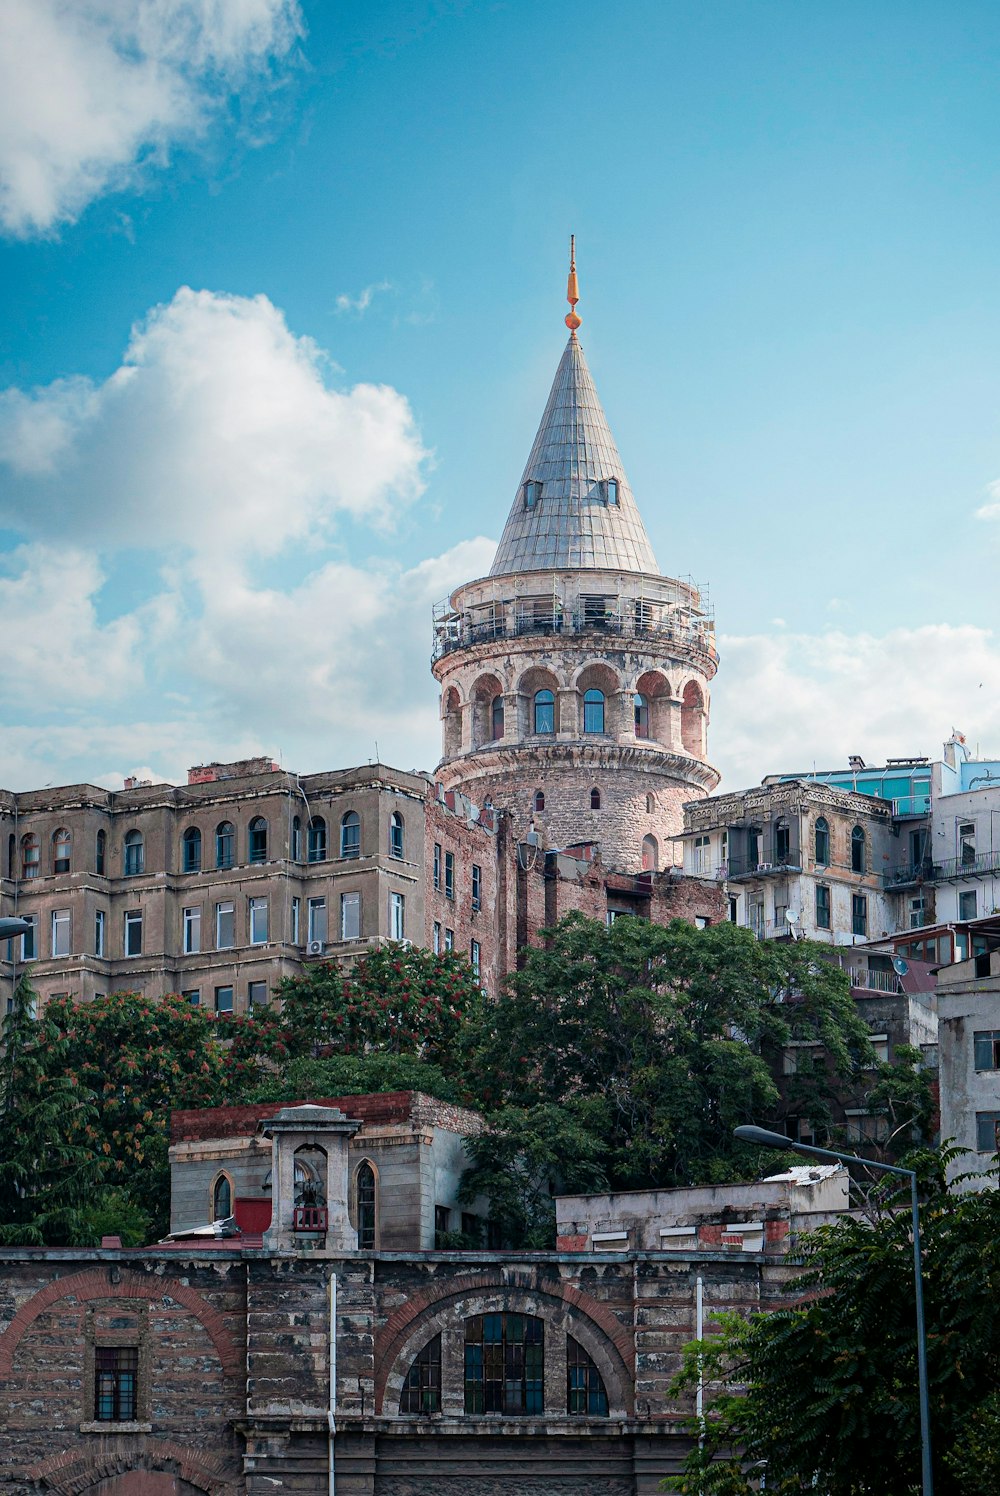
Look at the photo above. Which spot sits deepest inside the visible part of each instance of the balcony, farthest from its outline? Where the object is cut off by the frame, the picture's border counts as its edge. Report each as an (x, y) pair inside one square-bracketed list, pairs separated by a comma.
[(873, 981), (459, 632), (911, 805), (310, 1219), (966, 867), (775, 866), (907, 877)]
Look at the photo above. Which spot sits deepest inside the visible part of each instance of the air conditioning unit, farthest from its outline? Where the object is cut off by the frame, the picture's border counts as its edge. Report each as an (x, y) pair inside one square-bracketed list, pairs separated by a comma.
[(316, 948)]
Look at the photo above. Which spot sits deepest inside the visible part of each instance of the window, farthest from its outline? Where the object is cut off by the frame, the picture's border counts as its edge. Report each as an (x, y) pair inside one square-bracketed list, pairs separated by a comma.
[(477, 886), (967, 904), (504, 1360), (475, 956), (193, 996), (350, 835), (442, 1224), (29, 940), (258, 921), (397, 916), (257, 840), (753, 847), (539, 800), (296, 839), (918, 912), (782, 841), (532, 493), (822, 906), (422, 1389), (436, 938), (593, 711), (256, 995), (437, 865), (641, 706), (496, 719), (192, 930), (116, 1375), (316, 840), (62, 846), (595, 799), (986, 1048), (316, 920), (350, 916), (135, 854), (296, 920), (191, 850), (225, 844), (987, 1132), (857, 850), (650, 804), (449, 875), (611, 487), (859, 914), (449, 939), (545, 712), (650, 854), (822, 841), (133, 932), (30, 856), (101, 853), (223, 999), (100, 933), (61, 932), (365, 1186), (225, 926), (967, 843), (222, 1199), (584, 1388), (395, 834), (702, 854)]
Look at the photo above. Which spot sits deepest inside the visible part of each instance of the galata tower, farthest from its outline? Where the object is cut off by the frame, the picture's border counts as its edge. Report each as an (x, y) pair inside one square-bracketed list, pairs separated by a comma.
[(575, 678)]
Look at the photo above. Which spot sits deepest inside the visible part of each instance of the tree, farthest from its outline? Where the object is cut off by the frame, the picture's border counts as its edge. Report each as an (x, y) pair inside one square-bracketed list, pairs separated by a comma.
[(50, 1169), (353, 1075), (830, 1386)]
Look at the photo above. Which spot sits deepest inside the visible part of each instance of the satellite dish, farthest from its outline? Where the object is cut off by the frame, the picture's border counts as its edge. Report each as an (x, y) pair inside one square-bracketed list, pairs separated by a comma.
[(473, 813), (792, 916), (900, 965)]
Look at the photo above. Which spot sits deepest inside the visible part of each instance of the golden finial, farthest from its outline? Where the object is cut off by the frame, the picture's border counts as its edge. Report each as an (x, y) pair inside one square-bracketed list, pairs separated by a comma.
[(572, 289)]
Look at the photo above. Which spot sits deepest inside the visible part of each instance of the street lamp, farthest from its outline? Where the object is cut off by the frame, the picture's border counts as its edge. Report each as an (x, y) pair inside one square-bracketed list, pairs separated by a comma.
[(764, 1139), (11, 927)]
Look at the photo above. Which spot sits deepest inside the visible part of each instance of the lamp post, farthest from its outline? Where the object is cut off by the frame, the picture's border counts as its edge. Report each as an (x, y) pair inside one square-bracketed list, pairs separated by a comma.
[(11, 927), (764, 1139)]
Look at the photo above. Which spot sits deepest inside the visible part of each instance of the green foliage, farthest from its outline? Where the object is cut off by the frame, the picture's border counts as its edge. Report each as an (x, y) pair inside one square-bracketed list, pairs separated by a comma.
[(830, 1399), (902, 1094), (354, 1075)]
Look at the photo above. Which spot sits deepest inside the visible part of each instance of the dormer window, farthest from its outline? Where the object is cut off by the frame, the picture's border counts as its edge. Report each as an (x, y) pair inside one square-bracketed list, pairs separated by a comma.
[(611, 490), (532, 493)]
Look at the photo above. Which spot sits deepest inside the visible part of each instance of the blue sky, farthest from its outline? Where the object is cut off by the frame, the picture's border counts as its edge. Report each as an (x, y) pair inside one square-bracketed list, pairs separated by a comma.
[(281, 298)]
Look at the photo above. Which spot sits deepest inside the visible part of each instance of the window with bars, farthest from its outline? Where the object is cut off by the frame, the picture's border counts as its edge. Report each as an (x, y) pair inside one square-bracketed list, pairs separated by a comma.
[(422, 1389), (367, 1222), (504, 1364), (585, 1391), (116, 1379)]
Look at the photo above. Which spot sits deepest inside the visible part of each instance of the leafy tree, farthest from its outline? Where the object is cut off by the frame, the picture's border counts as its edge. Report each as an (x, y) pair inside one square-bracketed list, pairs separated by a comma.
[(902, 1093), (829, 1387), (662, 1028), (49, 1166), (354, 1075)]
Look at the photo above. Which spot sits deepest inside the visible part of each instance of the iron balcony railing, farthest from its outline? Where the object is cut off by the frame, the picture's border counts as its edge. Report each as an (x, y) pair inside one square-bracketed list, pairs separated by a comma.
[(873, 981), (767, 865), (966, 867), (904, 877), (460, 633)]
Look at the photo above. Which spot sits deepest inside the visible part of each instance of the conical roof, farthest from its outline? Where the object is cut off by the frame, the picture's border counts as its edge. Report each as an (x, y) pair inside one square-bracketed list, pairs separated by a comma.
[(570, 523)]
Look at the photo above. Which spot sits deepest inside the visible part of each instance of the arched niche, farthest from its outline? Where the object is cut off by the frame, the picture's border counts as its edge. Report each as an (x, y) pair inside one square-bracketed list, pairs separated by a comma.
[(654, 689), (693, 720), (484, 693), (451, 719), (534, 681)]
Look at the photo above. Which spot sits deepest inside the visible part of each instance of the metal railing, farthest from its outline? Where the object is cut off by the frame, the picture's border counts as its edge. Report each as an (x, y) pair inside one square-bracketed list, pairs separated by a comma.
[(767, 866), (967, 867), (310, 1218), (873, 981), (460, 633), (914, 872)]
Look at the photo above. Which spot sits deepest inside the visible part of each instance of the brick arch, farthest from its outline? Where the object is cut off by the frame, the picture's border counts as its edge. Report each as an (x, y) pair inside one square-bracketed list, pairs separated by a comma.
[(401, 1325), (93, 1284), (76, 1472)]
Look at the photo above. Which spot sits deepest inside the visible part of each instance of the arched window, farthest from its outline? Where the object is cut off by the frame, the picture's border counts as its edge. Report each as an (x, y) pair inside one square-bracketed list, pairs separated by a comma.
[(650, 855), (782, 841), (539, 800), (693, 719), (225, 844), (296, 839), (422, 1389), (257, 840), (191, 850), (650, 804), (222, 1199), (857, 850), (504, 1364), (135, 854), (101, 855), (350, 835), (822, 841), (62, 846), (395, 834), (595, 799), (316, 840), (496, 718), (641, 716), (366, 1197), (585, 1391), (545, 711), (30, 856), (593, 711)]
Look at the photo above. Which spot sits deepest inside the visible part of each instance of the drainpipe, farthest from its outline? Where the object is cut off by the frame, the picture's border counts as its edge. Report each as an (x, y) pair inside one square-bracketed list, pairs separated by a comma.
[(699, 1335), (332, 1414)]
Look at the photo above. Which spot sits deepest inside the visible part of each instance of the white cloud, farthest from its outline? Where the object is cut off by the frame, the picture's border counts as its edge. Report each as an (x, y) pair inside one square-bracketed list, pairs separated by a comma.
[(789, 702), (359, 304), (992, 509), (93, 91), (218, 433)]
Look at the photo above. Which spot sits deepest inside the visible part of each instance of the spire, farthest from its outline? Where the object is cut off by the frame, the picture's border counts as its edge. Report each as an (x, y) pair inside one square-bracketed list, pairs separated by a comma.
[(574, 507)]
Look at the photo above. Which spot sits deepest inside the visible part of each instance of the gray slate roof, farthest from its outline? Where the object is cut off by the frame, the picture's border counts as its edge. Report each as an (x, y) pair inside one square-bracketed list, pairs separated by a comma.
[(572, 525)]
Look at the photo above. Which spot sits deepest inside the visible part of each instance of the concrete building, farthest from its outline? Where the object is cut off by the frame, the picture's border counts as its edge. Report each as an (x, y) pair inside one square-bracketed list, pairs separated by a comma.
[(968, 995), (575, 678)]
